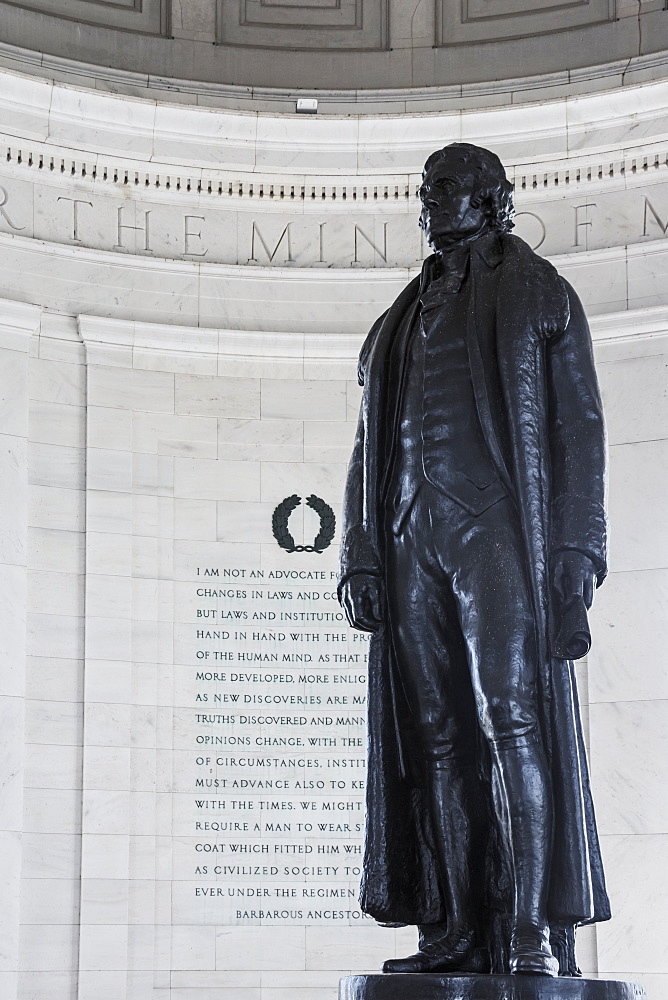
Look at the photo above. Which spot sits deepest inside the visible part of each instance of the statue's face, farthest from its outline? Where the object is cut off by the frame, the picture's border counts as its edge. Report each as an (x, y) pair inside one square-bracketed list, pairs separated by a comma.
[(450, 209)]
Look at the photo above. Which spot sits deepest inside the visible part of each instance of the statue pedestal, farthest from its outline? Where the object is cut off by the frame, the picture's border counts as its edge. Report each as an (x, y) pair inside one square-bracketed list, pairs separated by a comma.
[(423, 986)]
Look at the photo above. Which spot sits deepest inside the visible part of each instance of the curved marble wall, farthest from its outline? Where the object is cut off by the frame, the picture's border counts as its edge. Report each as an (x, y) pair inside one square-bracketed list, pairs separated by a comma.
[(184, 292)]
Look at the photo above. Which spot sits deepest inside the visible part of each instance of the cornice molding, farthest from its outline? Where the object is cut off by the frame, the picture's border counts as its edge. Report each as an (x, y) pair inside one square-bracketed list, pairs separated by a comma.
[(488, 94), (587, 130), (592, 142), (103, 333), (19, 323), (633, 325)]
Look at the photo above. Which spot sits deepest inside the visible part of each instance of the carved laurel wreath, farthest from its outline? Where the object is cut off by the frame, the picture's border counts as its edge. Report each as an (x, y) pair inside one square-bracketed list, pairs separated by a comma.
[(281, 516)]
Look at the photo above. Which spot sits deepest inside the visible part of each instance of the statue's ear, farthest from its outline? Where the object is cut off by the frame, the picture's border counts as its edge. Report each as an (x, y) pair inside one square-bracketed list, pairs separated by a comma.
[(484, 198)]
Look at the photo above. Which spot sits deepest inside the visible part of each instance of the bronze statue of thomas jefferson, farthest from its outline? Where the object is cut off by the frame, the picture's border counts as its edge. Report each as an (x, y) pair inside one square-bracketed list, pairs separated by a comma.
[(473, 538)]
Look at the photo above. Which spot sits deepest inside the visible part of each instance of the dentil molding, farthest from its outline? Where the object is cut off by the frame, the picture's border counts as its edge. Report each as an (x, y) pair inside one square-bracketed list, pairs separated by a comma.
[(586, 136)]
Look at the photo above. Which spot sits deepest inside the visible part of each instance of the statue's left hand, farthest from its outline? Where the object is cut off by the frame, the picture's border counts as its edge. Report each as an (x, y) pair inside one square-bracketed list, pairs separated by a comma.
[(574, 573)]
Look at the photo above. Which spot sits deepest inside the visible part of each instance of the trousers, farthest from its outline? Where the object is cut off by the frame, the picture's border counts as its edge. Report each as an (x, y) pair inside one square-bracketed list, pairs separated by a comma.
[(462, 625)]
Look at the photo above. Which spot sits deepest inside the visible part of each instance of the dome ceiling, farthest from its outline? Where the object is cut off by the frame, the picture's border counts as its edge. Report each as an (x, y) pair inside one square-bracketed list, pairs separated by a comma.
[(333, 45)]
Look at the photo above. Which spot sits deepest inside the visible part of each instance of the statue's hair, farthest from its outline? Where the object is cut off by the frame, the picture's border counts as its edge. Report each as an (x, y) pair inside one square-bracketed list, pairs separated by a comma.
[(495, 188)]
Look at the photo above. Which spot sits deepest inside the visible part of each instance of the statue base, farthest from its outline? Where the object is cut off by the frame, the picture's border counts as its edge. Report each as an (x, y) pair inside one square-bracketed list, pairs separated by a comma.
[(453, 986)]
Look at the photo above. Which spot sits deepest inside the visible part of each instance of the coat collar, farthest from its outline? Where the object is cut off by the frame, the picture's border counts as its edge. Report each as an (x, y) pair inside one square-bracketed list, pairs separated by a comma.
[(445, 273), (489, 248)]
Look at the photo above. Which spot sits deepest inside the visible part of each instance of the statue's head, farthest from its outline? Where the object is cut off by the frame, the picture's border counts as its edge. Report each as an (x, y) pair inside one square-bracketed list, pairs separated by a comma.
[(464, 192)]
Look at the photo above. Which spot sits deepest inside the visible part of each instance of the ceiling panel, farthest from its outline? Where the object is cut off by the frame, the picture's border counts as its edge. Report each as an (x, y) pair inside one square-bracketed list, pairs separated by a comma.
[(460, 22), (149, 17), (303, 24)]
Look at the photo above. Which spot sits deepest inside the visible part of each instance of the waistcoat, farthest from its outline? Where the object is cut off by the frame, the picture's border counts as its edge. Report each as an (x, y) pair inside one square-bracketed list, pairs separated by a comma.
[(440, 437)]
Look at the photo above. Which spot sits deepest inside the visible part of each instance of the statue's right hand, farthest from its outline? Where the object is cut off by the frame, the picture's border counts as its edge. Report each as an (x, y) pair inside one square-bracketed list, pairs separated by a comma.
[(361, 601)]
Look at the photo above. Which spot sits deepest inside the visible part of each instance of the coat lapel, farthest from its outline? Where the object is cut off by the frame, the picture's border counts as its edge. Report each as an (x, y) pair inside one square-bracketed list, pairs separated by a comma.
[(379, 420)]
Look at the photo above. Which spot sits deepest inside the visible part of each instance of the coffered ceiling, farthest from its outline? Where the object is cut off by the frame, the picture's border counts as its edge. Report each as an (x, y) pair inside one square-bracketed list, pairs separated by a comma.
[(344, 45)]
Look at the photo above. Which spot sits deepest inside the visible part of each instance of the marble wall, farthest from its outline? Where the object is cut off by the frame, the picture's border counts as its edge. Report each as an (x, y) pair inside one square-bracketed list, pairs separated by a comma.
[(156, 411), (628, 707), (131, 464), (146, 464)]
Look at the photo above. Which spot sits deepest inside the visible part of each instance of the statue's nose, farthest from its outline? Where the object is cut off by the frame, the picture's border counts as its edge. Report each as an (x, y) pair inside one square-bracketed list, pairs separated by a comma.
[(429, 202)]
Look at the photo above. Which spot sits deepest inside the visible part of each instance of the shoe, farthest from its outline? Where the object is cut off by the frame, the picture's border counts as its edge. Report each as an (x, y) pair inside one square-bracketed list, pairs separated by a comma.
[(449, 954), (530, 953)]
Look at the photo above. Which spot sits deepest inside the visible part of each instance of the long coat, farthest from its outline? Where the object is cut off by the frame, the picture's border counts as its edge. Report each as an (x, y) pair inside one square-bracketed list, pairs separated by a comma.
[(541, 416)]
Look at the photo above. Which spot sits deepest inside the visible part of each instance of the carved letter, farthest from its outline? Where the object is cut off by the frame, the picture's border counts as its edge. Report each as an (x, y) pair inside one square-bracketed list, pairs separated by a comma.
[(285, 235), (188, 235), (3, 213), (139, 229), (75, 214), (650, 206), (581, 222), (542, 227), (321, 258), (381, 253)]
